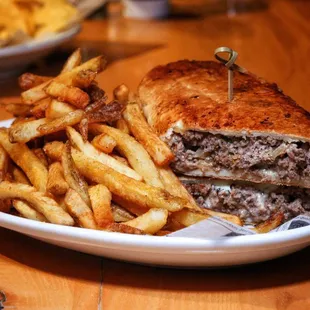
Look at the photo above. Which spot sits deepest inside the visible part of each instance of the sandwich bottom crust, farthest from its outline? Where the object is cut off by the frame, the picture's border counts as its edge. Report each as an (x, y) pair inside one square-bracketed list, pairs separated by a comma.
[(251, 158), (252, 203)]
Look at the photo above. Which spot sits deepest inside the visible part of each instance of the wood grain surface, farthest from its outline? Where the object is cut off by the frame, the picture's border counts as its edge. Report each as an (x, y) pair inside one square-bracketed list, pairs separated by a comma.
[(273, 41)]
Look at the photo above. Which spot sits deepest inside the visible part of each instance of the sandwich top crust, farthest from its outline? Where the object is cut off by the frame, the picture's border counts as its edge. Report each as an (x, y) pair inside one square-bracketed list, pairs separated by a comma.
[(192, 95)]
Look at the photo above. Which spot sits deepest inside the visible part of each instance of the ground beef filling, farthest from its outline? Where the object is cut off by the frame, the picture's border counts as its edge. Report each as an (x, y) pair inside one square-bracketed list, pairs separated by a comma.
[(252, 205), (289, 160)]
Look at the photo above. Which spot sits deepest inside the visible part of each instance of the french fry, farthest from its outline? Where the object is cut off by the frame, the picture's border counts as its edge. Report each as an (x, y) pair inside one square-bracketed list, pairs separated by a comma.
[(189, 217), (104, 143), (120, 214), (141, 130), (173, 185), (273, 222), (130, 206), (100, 198), (68, 94), (41, 106), (121, 93), (89, 150), (37, 93), (121, 159), (56, 183), (26, 160), (29, 80), (83, 129), (73, 176), (58, 109), (4, 163), (130, 189), (17, 109), (125, 229), (54, 150), (22, 119), (228, 217), (26, 211), (163, 232), (122, 125), (79, 210), (19, 176), (41, 203), (61, 123), (137, 156), (151, 222), (73, 61), (41, 156), (84, 78), (26, 131)]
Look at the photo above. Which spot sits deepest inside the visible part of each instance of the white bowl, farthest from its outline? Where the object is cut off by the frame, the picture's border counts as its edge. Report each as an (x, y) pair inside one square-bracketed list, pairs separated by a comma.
[(14, 59)]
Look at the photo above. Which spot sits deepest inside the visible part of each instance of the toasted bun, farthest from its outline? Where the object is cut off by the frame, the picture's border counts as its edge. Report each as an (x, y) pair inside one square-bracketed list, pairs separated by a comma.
[(192, 95)]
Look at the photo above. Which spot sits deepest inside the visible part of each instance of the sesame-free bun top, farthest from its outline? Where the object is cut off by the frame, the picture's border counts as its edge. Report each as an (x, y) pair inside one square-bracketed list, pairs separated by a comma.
[(192, 95)]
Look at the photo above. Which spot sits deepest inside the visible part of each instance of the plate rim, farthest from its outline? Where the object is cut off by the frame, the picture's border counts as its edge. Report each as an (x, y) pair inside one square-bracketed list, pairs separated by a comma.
[(238, 244), (35, 45)]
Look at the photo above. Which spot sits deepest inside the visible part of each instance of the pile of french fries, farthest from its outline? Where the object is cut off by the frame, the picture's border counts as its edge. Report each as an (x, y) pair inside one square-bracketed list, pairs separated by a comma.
[(73, 158)]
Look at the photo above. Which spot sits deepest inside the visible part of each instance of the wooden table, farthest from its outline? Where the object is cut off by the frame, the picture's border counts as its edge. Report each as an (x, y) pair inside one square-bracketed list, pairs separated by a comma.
[(273, 42)]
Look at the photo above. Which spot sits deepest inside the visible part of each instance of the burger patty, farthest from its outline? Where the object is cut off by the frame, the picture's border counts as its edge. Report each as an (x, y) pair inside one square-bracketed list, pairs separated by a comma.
[(289, 161), (251, 203)]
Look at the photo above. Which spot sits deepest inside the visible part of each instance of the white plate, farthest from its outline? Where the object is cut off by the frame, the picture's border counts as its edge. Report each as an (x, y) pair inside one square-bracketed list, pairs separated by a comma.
[(13, 59), (166, 251)]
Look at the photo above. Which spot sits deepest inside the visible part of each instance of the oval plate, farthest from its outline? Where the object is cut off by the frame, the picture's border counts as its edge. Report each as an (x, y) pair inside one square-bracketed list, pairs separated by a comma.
[(164, 251)]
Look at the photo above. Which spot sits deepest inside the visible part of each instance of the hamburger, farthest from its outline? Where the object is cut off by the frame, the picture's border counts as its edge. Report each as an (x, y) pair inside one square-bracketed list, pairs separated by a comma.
[(249, 157)]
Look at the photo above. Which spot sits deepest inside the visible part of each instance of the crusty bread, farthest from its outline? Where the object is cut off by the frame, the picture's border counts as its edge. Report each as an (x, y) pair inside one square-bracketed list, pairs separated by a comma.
[(192, 95)]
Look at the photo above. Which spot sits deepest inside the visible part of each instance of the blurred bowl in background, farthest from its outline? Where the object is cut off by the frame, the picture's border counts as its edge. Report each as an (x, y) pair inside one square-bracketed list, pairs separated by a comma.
[(14, 59)]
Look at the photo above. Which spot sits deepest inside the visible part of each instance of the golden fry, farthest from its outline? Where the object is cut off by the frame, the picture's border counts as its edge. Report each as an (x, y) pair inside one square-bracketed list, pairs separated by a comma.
[(68, 94), (150, 222), (124, 229), (137, 156), (173, 185), (41, 156), (73, 176), (26, 211), (4, 163), (122, 125), (83, 129), (100, 198), (26, 131), (61, 123), (56, 183), (121, 93), (29, 80), (120, 214), (89, 150), (130, 189), (37, 93), (17, 109), (54, 150), (41, 203), (104, 143), (19, 176), (137, 124), (73, 61), (58, 109), (41, 106), (273, 222), (26, 160), (79, 210)]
